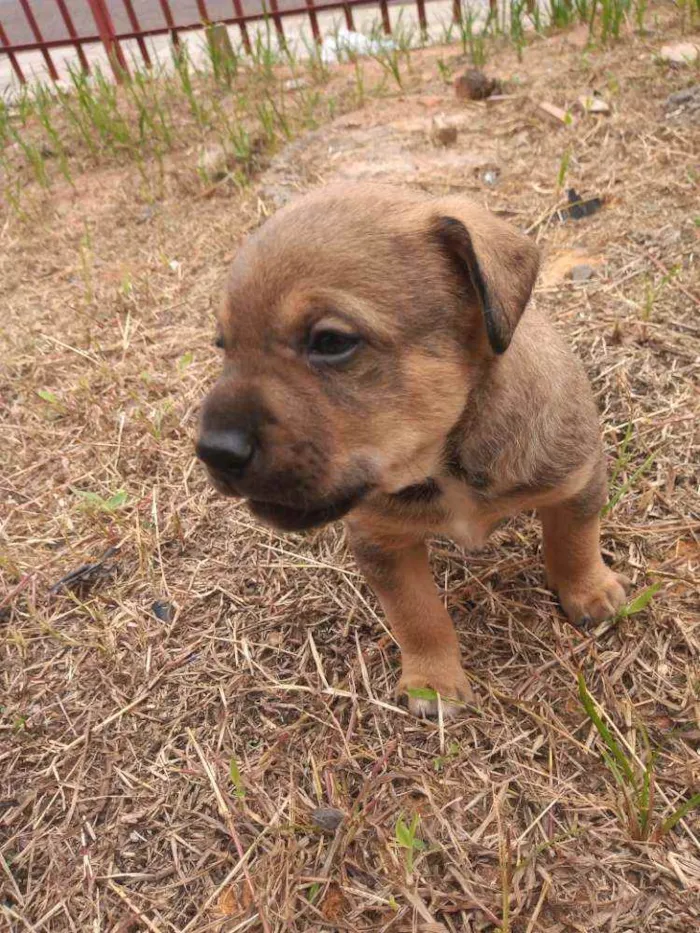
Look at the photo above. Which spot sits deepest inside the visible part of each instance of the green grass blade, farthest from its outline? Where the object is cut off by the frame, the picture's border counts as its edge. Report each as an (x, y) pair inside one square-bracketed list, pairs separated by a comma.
[(679, 814), (604, 732)]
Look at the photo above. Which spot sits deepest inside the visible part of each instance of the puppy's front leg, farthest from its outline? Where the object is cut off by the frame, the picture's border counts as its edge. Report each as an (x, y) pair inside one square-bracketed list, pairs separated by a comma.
[(589, 591), (399, 572)]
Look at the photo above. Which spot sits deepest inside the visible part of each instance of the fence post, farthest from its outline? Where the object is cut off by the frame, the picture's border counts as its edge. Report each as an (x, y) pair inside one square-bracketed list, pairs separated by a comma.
[(105, 28), (67, 19), (34, 26), (238, 10), (11, 55), (135, 25)]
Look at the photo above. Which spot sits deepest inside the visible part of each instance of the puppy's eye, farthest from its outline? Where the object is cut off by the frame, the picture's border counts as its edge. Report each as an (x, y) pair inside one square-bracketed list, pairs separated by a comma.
[(332, 346)]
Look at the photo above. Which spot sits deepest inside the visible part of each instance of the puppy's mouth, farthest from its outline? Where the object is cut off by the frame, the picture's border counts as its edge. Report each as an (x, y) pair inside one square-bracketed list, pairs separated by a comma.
[(286, 517), (302, 518)]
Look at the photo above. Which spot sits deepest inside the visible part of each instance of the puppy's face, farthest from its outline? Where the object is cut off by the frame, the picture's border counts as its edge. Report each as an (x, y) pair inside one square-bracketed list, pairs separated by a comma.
[(351, 326)]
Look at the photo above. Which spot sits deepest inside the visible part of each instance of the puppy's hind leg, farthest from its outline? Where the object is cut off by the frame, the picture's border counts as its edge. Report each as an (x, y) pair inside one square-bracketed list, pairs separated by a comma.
[(399, 572), (588, 590)]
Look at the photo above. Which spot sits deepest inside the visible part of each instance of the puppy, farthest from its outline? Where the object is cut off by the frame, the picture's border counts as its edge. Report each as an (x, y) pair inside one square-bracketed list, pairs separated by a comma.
[(382, 365)]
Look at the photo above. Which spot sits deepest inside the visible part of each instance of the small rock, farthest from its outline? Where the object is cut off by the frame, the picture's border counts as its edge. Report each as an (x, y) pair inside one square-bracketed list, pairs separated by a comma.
[(213, 162), (473, 84), (680, 98), (490, 175), (556, 113), (443, 133), (295, 84), (593, 103), (680, 53), (146, 214), (684, 104), (162, 610), (327, 818), (581, 273)]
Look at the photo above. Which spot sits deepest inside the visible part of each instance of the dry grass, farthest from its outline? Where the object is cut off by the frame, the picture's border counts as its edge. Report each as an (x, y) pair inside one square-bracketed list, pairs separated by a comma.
[(160, 765)]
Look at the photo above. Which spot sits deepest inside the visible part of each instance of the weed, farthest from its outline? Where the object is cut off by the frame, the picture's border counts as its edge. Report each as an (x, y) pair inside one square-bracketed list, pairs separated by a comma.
[(516, 11), (34, 156), (445, 71), (183, 68), (471, 38), (453, 751), (47, 396), (406, 839), (45, 104), (612, 14), (563, 168), (223, 58), (625, 487), (236, 779), (94, 503), (624, 455), (359, 75), (635, 781), (561, 13), (637, 789)]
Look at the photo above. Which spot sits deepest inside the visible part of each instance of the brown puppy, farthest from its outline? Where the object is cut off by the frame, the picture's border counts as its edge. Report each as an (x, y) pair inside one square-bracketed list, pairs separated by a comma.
[(382, 364)]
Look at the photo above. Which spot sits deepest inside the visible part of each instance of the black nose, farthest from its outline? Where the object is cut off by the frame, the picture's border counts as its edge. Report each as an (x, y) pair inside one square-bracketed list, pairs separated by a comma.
[(226, 450)]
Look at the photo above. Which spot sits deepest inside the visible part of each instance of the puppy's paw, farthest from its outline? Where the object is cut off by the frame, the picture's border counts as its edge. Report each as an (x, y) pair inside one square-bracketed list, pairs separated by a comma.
[(423, 679), (594, 598)]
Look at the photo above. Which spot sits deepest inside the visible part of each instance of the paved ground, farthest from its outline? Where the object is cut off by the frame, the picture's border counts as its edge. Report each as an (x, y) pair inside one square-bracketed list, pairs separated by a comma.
[(150, 16)]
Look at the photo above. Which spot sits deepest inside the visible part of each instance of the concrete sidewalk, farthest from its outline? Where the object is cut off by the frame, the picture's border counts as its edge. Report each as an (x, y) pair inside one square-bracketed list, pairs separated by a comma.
[(297, 30)]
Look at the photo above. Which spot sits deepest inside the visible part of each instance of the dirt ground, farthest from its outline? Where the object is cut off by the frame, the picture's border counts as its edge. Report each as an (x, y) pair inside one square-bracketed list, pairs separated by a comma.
[(173, 718)]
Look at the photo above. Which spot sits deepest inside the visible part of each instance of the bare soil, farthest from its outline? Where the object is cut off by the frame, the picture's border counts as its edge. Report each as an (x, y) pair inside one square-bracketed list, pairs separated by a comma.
[(172, 717)]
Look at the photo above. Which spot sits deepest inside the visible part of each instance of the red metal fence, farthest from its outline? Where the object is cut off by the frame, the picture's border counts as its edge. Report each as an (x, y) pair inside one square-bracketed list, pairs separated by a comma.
[(104, 31)]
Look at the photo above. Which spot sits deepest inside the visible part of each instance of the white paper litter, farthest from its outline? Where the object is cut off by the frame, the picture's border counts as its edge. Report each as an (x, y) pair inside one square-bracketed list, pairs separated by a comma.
[(345, 42)]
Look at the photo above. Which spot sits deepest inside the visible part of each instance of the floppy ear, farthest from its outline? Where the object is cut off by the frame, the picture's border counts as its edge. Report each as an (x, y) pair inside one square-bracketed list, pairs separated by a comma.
[(498, 262)]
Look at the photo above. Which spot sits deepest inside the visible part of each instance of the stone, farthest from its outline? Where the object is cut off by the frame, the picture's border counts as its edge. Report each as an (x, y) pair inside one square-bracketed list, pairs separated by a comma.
[(327, 818), (680, 53), (213, 162), (591, 102), (443, 133), (684, 104), (581, 273), (473, 84), (295, 84), (556, 114)]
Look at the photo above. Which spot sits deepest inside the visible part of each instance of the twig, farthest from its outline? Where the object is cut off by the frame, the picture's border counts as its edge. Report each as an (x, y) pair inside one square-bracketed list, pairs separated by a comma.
[(170, 666), (132, 907), (667, 272), (226, 815)]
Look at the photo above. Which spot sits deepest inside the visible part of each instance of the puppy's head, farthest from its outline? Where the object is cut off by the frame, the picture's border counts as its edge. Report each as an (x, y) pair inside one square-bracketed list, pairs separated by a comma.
[(354, 323)]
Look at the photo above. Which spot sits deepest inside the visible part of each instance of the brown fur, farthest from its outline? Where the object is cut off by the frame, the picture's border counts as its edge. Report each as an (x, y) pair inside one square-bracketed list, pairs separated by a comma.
[(462, 407)]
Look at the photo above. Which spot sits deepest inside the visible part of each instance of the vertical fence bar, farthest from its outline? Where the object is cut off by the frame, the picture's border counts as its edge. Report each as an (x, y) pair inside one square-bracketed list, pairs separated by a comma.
[(277, 20), (11, 55), (203, 12), (170, 22), (457, 11), (34, 26), (422, 20), (245, 38), (135, 25), (68, 21), (105, 28), (386, 22), (313, 19), (349, 21)]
